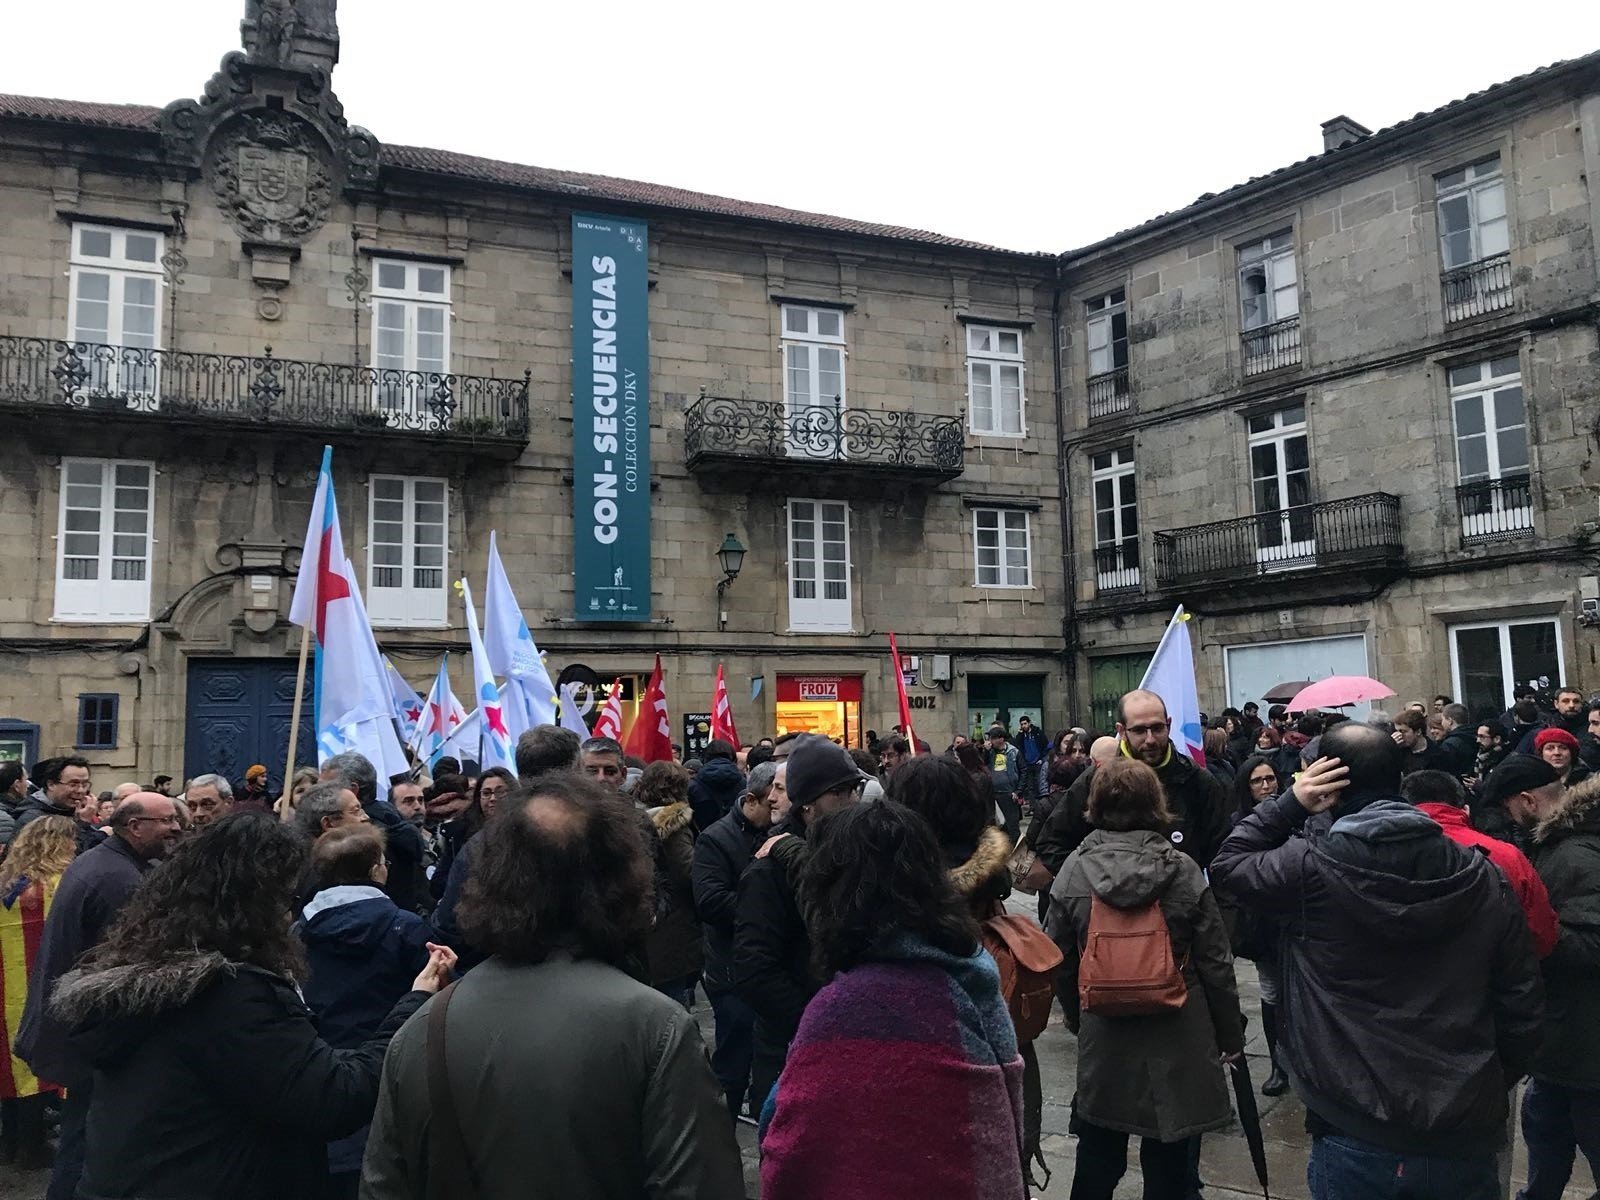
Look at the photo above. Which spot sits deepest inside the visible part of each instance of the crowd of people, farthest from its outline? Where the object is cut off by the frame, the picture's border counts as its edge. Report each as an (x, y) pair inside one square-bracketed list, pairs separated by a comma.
[(468, 979)]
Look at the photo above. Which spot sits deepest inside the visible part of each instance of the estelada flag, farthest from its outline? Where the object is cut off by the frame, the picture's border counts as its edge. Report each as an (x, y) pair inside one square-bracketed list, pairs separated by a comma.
[(900, 691), (650, 739), (722, 714)]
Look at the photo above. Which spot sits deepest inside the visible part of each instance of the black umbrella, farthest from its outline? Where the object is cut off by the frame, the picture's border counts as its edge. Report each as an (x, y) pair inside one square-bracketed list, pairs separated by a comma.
[(1285, 692), (1250, 1118)]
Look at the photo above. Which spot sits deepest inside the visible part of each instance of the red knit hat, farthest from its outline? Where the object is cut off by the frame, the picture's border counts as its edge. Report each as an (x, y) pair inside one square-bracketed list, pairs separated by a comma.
[(1554, 737)]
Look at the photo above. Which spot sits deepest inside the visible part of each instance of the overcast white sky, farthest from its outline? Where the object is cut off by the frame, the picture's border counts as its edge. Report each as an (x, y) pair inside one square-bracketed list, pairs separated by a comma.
[(1029, 124)]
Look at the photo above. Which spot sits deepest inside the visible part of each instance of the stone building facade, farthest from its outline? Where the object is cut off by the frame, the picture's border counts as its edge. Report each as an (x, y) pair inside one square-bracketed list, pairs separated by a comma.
[(1346, 413), (194, 300)]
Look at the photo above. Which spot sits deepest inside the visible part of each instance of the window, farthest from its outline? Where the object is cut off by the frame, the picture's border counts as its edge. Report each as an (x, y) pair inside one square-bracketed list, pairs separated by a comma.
[(1106, 332), (1116, 520), (819, 566), (1000, 540), (1280, 484), (103, 540), (97, 721), (406, 551), (1491, 426), (114, 300), (410, 331), (813, 380), (1472, 213), (1269, 304), (994, 380), (1487, 660)]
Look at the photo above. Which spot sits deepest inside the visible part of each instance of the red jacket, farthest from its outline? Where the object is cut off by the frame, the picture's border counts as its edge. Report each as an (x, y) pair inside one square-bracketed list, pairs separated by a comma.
[(1514, 865)]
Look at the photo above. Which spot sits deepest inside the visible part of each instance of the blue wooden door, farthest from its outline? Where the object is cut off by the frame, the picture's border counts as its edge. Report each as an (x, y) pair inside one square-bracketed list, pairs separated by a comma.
[(239, 711)]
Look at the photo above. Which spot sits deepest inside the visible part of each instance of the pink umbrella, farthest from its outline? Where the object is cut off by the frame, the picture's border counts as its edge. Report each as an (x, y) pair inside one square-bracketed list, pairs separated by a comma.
[(1338, 690)]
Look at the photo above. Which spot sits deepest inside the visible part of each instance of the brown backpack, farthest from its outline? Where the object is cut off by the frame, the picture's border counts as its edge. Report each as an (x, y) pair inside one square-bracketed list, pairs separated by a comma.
[(1027, 959), (1127, 968)]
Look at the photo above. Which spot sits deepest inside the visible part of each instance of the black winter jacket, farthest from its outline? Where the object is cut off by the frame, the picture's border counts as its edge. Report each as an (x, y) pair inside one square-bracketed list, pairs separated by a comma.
[(1198, 803), (408, 885), (714, 791), (1411, 996), (210, 1080), (771, 948), (1566, 853), (721, 855), (1457, 751), (38, 805)]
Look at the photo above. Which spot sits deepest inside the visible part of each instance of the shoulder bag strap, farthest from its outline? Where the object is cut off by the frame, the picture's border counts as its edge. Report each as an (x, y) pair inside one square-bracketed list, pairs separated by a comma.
[(449, 1171)]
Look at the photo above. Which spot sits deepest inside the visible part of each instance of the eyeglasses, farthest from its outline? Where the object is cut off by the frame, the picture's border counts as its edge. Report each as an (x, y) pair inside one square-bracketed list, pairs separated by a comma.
[(172, 820), (491, 792), (1141, 730)]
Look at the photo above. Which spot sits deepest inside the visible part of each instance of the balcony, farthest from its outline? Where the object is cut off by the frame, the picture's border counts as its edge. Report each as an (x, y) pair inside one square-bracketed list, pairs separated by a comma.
[(1109, 394), (1495, 510), (746, 442), (1271, 347), (1334, 535), (1116, 566), (216, 390), (1477, 288)]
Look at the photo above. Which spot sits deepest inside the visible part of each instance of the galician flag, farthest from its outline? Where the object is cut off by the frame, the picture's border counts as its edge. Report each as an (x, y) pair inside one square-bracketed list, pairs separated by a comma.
[(441, 718), (722, 713), (496, 746), (610, 722), (354, 706), (528, 694), (571, 718), (650, 738), (1170, 675), (407, 704)]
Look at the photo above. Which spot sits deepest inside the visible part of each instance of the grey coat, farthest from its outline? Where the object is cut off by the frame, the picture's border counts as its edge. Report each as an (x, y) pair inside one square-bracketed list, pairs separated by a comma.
[(569, 1077), (1155, 1076)]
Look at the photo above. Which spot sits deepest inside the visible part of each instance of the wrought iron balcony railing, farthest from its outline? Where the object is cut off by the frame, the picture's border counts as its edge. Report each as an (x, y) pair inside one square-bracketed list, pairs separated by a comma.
[(1494, 510), (721, 431), (1109, 393), (1477, 288), (1362, 531), (1116, 566), (258, 390), (1269, 347)]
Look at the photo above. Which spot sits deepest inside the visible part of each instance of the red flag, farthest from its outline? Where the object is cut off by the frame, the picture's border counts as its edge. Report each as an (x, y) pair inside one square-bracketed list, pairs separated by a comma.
[(722, 714), (900, 691), (651, 736), (610, 722)]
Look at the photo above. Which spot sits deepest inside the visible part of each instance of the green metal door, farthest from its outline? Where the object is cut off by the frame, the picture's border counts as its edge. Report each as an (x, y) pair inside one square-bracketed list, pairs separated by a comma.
[(1109, 678)]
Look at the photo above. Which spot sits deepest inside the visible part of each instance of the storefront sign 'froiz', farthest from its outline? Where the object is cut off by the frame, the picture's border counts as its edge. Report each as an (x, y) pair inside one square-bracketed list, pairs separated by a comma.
[(610, 418)]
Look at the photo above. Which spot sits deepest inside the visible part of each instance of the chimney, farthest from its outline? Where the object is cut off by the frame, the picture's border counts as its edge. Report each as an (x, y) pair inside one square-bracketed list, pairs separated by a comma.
[(1341, 131)]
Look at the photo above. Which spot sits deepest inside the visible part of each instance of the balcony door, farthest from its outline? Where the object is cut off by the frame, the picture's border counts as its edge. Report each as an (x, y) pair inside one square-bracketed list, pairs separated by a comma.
[(1280, 482), (813, 382)]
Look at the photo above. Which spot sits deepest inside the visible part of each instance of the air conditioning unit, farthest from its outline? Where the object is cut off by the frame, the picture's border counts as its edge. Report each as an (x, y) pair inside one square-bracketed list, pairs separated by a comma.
[(941, 669)]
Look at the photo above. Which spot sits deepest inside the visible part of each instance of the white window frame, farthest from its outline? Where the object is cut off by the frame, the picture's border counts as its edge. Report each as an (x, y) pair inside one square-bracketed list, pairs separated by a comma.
[(812, 422), (817, 613), (1499, 510), (1273, 254), (1123, 465), (1479, 180), (104, 598), (110, 374), (1005, 522), (1100, 314), (408, 606), (1278, 435), (408, 398), (987, 367), (1509, 679)]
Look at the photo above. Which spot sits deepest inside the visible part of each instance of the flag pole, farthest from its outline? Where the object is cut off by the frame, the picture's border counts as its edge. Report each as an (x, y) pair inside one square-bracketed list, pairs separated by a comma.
[(286, 807)]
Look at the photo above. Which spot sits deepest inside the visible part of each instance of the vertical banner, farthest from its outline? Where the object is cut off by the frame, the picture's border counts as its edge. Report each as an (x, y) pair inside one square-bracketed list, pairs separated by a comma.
[(610, 419)]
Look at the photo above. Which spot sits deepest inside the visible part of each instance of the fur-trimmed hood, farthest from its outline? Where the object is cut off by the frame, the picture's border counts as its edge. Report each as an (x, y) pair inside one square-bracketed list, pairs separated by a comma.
[(670, 818), (987, 861), (1577, 811), (137, 990)]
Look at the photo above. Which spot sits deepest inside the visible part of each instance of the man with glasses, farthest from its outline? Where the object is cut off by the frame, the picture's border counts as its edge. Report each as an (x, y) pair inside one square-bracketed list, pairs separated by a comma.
[(144, 828), (63, 791)]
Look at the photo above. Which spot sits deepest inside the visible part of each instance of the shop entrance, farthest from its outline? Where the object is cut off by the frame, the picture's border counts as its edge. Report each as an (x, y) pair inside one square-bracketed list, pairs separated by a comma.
[(825, 704)]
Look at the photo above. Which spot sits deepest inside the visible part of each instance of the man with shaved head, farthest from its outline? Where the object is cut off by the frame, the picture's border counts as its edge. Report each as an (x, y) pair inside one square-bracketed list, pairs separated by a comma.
[(144, 828), (1199, 806)]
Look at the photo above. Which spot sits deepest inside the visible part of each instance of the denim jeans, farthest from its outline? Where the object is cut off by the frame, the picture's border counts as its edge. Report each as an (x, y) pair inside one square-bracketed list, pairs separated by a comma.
[(70, 1148), (735, 1044), (1342, 1168), (1556, 1122)]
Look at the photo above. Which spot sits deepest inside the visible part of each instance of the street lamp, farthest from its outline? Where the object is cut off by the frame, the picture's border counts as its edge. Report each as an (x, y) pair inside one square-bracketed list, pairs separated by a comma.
[(730, 556)]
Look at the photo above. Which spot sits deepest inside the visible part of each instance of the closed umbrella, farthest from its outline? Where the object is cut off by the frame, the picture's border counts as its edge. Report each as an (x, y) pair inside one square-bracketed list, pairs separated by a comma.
[(1284, 692), (1339, 690), (1250, 1119)]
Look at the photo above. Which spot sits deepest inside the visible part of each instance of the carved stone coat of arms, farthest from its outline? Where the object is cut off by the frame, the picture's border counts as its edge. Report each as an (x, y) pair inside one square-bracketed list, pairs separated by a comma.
[(270, 175)]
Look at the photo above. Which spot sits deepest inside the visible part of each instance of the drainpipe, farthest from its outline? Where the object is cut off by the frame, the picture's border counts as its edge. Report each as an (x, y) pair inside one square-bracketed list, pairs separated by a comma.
[(1063, 479)]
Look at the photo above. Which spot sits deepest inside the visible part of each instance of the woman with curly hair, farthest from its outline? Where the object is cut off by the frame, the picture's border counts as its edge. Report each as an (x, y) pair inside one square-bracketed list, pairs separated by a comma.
[(210, 1078), (673, 951), (28, 878), (911, 1020)]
